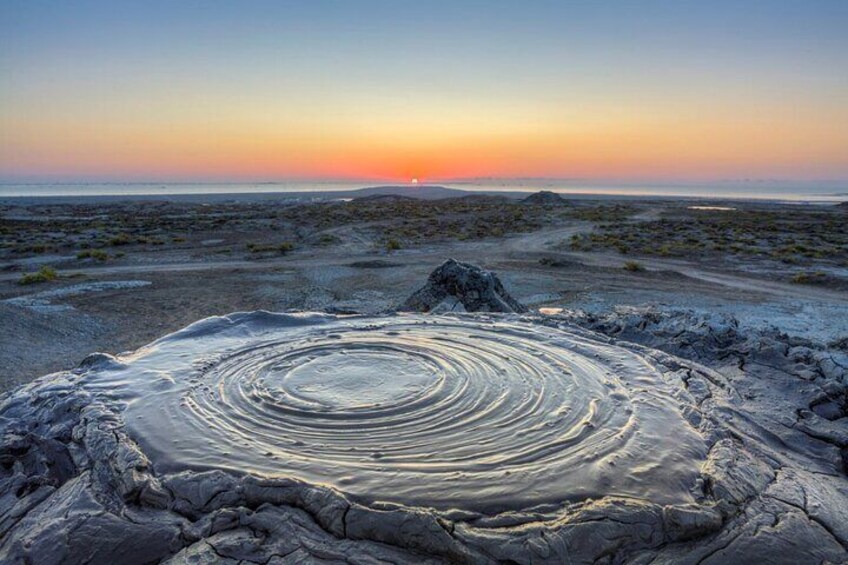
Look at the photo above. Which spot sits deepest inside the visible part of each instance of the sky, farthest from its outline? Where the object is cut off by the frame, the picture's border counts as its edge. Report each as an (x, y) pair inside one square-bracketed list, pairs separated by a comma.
[(261, 91)]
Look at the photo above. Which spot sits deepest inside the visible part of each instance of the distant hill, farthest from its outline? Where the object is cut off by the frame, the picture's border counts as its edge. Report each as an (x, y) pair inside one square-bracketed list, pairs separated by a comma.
[(383, 198), (423, 192), (545, 198)]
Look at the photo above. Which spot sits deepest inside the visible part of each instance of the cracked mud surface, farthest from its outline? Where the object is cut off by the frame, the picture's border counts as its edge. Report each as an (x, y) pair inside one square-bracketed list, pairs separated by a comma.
[(83, 481)]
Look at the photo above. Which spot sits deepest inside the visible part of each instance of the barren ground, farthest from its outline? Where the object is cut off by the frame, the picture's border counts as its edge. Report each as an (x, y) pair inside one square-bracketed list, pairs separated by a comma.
[(766, 263)]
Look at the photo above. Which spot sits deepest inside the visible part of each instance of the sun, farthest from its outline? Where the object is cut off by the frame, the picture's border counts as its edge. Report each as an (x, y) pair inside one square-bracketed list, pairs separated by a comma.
[(414, 181)]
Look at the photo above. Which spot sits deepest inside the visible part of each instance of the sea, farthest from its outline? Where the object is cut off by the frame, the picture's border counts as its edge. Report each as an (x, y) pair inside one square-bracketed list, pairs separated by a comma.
[(822, 192)]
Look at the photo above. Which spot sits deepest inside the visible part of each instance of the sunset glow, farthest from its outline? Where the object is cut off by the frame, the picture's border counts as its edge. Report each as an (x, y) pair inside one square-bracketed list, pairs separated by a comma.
[(284, 90)]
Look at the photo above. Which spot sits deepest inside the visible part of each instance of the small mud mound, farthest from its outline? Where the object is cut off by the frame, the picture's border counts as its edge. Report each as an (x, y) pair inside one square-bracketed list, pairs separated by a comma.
[(461, 287)]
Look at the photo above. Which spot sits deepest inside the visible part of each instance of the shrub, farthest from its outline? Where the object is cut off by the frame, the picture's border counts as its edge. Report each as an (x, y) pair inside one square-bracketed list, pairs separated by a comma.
[(98, 254), (328, 239), (808, 278), (44, 274), (633, 266), (120, 239), (282, 248)]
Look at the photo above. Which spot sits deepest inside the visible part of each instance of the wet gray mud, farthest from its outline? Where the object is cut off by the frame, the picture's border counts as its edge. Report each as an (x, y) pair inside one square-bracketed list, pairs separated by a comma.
[(636, 436)]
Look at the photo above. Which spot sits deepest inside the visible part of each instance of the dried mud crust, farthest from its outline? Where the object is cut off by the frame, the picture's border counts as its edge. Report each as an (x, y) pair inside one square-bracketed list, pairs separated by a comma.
[(787, 457), (75, 488)]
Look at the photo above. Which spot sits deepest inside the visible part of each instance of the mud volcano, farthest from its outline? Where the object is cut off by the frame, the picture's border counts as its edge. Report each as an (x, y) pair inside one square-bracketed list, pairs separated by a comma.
[(271, 438), (438, 412)]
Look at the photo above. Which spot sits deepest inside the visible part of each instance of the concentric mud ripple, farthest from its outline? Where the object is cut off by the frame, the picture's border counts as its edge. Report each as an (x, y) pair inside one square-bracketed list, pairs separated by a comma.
[(435, 411)]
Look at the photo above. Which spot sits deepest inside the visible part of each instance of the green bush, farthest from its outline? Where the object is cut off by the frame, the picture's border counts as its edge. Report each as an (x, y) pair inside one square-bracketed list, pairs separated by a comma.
[(328, 239), (120, 239), (44, 274), (281, 248), (98, 254), (392, 245), (633, 266), (808, 278)]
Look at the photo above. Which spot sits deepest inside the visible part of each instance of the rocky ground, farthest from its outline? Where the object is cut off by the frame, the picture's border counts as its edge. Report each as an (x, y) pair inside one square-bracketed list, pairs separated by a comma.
[(811, 244)]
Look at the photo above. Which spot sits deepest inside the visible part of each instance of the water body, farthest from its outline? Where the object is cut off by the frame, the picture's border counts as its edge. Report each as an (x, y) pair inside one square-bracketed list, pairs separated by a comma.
[(769, 190)]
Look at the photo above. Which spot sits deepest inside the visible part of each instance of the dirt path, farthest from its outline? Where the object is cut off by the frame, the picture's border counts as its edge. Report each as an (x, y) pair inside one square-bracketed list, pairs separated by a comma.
[(730, 280)]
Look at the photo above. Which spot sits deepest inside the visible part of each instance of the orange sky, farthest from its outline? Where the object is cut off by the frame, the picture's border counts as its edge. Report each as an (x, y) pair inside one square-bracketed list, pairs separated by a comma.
[(635, 144), (141, 97)]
